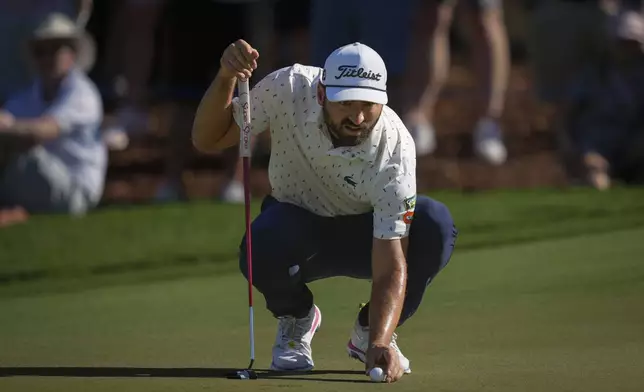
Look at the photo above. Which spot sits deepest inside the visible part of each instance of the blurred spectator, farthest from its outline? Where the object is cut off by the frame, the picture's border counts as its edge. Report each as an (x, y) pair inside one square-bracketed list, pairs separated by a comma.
[(566, 35), (291, 41), (628, 5), (381, 24), (18, 19), (604, 116), (129, 52), (197, 31), (492, 64), (61, 168)]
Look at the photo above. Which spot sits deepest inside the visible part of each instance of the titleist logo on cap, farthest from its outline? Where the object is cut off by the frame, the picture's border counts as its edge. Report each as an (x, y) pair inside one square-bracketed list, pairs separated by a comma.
[(352, 71)]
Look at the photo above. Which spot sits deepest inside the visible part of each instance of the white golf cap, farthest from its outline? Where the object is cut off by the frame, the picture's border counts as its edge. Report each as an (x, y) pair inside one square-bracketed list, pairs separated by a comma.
[(355, 72)]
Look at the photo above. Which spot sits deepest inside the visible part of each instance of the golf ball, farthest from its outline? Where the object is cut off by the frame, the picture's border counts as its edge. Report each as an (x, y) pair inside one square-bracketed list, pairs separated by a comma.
[(377, 375)]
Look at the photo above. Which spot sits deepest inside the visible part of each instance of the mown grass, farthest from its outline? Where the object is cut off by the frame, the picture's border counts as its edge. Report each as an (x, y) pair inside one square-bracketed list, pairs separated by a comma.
[(556, 315), (120, 245)]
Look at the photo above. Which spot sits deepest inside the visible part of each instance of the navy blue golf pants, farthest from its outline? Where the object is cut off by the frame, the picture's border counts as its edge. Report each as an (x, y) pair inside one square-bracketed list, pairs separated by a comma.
[(292, 247)]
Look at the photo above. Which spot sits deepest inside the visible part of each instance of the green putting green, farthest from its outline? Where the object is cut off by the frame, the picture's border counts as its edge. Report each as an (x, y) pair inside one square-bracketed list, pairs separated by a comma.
[(560, 314)]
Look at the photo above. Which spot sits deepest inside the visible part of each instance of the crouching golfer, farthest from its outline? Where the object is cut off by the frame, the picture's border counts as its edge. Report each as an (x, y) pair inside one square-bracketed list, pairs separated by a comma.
[(343, 201)]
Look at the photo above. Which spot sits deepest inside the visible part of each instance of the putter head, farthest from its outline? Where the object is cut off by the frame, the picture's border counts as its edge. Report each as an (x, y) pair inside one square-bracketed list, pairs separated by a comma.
[(246, 374)]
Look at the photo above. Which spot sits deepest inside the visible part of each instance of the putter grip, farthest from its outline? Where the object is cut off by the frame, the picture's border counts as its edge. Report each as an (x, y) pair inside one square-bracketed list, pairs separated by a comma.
[(244, 101)]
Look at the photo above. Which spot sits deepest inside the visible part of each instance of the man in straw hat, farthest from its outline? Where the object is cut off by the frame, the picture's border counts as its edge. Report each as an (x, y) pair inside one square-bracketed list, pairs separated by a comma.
[(18, 19), (58, 116)]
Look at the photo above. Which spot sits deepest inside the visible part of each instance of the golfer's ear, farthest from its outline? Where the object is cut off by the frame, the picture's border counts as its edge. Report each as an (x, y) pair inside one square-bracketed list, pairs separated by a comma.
[(321, 94)]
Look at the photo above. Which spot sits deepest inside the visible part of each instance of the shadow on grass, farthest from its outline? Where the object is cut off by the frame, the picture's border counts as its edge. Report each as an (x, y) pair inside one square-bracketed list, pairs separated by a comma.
[(118, 372)]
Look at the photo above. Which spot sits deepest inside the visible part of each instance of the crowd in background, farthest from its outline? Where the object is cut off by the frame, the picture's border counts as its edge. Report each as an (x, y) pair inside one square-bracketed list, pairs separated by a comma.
[(77, 79)]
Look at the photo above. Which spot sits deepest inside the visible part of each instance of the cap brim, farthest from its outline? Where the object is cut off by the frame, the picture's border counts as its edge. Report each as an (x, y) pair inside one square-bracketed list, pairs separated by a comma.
[(338, 94)]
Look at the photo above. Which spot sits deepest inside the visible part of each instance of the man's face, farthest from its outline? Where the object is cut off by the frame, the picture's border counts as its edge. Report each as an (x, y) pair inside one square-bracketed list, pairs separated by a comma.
[(350, 122), (54, 58)]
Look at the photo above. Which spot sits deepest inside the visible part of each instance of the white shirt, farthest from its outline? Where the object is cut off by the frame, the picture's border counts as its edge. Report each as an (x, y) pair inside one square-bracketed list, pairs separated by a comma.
[(78, 109), (305, 169)]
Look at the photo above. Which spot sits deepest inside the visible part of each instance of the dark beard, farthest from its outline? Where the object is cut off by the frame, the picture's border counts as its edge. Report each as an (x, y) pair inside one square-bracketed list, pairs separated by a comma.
[(340, 140)]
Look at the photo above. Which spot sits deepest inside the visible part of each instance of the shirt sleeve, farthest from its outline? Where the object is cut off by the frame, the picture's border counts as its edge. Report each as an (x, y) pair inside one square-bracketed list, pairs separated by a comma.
[(394, 197), (262, 96), (77, 106), (16, 103)]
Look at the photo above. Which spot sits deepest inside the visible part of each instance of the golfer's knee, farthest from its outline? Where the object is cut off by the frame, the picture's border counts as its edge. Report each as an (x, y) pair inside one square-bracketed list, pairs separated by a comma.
[(431, 230), (267, 246)]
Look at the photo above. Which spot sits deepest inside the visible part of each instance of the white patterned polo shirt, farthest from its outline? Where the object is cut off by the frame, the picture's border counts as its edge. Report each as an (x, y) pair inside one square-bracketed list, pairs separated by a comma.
[(306, 170)]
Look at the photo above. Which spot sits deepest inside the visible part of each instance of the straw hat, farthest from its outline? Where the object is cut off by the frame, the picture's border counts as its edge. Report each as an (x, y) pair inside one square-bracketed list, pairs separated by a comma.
[(58, 26)]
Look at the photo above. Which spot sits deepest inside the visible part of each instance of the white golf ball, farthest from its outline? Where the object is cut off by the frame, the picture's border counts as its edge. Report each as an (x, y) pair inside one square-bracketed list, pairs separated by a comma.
[(377, 375)]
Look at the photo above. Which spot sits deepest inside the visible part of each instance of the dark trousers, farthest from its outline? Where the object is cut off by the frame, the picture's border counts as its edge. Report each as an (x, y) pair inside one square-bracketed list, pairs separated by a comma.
[(292, 247)]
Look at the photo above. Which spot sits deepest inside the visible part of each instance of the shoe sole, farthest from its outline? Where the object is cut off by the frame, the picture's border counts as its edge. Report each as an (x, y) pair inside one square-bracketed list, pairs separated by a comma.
[(279, 369), (359, 355)]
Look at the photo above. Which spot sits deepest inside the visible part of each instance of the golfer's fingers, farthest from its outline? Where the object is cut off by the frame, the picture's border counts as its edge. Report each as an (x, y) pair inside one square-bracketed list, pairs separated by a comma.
[(369, 364), (374, 356), (394, 374), (233, 63), (393, 369), (246, 54), (250, 56), (240, 55)]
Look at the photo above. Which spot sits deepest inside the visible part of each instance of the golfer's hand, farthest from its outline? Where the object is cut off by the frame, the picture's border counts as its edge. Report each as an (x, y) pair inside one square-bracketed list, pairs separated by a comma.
[(385, 357), (238, 60)]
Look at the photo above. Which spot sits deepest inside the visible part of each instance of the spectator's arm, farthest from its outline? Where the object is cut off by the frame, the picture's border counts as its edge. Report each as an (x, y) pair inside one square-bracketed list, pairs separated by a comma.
[(73, 108), (39, 129)]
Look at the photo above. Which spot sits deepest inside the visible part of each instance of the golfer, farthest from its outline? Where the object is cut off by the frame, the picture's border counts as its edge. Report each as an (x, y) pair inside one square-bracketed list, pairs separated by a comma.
[(343, 199)]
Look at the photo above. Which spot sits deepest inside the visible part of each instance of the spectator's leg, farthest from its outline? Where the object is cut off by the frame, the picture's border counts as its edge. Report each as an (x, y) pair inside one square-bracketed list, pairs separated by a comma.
[(10, 148), (597, 170), (333, 24), (491, 55), (565, 37), (291, 39), (233, 188), (41, 183), (390, 39), (9, 213), (429, 55), (259, 22), (634, 157), (178, 148), (195, 42), (130, 51), (610, 153)]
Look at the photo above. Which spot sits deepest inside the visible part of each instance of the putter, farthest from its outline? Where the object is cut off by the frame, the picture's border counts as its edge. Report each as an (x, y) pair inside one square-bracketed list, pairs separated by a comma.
[(245, 154)]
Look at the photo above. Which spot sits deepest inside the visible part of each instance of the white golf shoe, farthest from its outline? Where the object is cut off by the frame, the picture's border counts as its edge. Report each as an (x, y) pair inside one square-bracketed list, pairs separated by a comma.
[(359, 343), (292, 349)]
